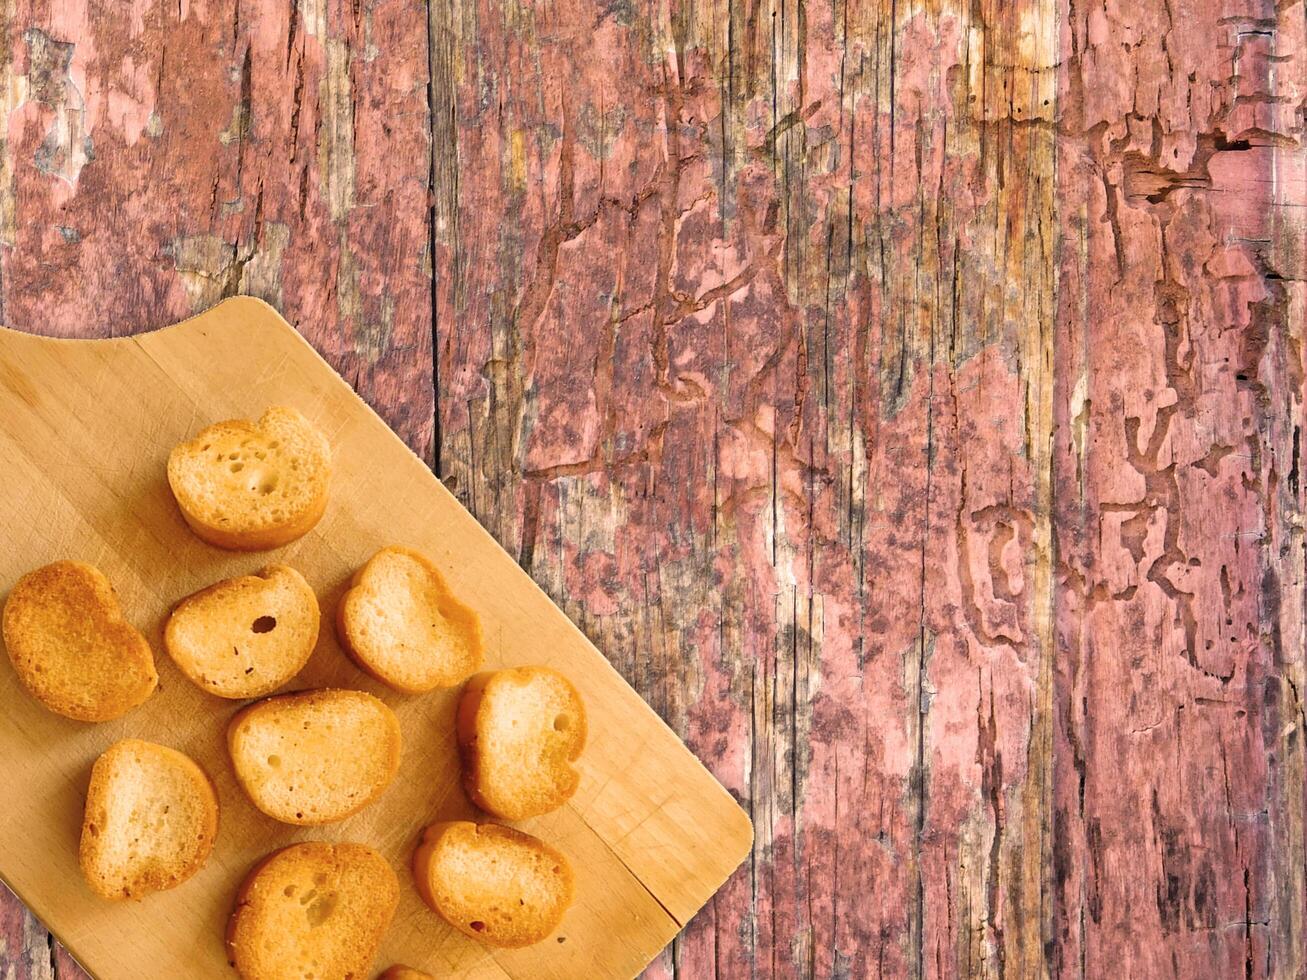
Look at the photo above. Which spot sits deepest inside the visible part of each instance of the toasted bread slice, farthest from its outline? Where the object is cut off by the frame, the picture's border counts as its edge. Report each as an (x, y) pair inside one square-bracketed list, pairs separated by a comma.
[(250, 486), (493, 883), (401, 624), (314, 757), (519, 731), (150, 822), (401, 972), (245, 637), (312, 910), (71, 647)]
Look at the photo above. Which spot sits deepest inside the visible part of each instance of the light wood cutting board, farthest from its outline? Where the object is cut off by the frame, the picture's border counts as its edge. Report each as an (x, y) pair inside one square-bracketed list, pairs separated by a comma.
[(85, 430)]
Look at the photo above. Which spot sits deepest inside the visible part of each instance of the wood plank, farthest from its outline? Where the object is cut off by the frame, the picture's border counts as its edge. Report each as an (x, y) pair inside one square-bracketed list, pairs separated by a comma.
[(1180, 383), (763, 397), (87, 428)]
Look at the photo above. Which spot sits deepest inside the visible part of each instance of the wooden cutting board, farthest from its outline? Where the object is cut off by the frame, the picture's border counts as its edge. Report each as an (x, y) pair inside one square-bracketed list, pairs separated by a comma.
[(85, 430)]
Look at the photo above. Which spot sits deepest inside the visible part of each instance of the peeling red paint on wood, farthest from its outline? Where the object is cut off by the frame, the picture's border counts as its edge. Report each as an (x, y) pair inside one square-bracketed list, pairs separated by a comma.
[(169, 155), (906, 396), (1179, 808), (26, 950), (777, 435)]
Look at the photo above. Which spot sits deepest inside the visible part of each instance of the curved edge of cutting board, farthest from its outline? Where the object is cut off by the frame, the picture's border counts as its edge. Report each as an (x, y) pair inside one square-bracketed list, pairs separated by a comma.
[(698, 813), (206, 319)]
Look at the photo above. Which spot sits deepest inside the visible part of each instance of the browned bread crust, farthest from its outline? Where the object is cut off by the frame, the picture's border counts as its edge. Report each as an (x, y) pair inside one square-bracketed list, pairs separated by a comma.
[(245, 637), (71, 647), (496, 884), (401, 624), (150, 822), (312, 908), (519, 731), (251, 486), (314, 757)]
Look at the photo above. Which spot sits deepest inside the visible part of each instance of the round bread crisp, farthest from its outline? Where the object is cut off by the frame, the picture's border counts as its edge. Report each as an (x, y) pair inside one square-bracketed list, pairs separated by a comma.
[(519, 731), (150, 822), (314, 757), (495, 884), (250, 486), (401, 624), (312, 909), (245, 637), (71, 647)]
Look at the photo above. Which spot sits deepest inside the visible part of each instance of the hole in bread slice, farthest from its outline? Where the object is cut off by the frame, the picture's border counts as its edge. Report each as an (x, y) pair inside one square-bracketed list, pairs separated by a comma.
[(244, 637), (321, 908), (284, 925), (252, 485)]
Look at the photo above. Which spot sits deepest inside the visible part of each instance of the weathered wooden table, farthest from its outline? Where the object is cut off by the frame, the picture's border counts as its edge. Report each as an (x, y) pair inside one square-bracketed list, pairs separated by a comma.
[(907, 396)]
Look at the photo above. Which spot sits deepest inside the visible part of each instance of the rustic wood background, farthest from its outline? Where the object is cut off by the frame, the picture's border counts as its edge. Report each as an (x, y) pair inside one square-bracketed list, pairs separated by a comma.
[(907, 395)]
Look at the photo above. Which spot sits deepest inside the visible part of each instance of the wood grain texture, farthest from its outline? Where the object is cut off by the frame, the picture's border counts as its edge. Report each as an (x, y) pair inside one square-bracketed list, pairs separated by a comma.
[(771, 411), (906, 395), (1179, 502)]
